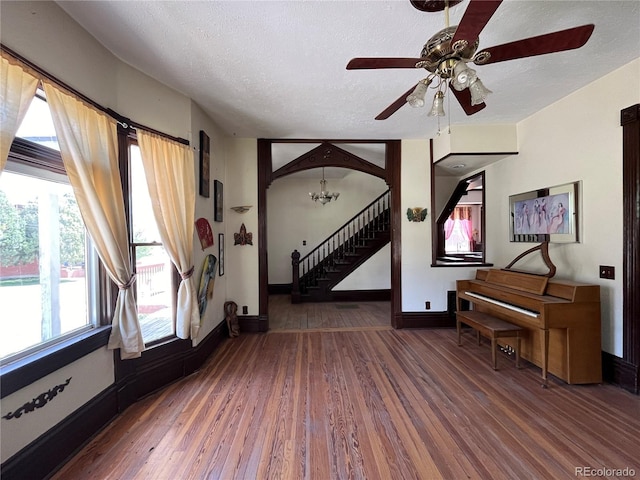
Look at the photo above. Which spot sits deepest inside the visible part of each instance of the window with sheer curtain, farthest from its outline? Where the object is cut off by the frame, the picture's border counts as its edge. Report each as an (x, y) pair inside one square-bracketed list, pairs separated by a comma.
[(155, 274), (49, 276)]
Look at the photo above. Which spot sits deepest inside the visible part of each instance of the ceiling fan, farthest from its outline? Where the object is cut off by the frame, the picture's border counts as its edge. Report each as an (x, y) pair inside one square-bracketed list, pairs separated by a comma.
[(446, 55)]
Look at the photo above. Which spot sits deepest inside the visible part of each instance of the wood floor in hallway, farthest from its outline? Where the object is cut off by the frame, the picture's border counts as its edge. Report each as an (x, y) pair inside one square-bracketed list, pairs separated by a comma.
[(365, 404), (283, 315)]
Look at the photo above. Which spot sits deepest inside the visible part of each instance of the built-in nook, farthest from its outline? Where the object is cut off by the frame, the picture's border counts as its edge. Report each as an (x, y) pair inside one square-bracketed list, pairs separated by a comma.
[(458, 189)]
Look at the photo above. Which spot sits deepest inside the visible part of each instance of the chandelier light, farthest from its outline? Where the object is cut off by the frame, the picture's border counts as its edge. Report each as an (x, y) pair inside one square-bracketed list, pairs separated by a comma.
[(324, 196)]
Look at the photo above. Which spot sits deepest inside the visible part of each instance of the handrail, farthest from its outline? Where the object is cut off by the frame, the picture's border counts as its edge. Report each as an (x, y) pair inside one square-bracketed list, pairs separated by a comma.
[(344, 241), (348, 222)]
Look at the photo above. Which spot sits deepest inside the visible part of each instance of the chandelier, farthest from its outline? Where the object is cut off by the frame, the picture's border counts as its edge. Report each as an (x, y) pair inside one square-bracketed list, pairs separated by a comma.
[(324, 196)]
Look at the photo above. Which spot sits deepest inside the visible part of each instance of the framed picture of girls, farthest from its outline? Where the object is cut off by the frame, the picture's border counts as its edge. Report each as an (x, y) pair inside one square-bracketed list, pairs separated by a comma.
[(549, 214)]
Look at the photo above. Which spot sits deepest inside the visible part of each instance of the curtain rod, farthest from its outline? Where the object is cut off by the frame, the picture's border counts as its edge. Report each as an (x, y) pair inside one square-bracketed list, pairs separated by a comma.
[(125, 122)]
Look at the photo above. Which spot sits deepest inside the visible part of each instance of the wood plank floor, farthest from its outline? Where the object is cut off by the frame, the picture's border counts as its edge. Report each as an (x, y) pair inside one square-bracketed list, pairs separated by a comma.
[(365, 404), (283, 315)]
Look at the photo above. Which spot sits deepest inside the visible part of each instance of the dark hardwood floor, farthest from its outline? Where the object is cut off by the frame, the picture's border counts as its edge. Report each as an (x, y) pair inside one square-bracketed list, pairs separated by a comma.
[(365, 402)]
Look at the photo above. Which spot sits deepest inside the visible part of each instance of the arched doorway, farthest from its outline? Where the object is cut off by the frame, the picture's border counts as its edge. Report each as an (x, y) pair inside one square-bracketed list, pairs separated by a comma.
[(328, 153)]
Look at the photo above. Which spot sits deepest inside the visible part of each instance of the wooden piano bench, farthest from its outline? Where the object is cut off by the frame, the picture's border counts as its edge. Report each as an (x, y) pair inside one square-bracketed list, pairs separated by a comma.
[(490, 327)]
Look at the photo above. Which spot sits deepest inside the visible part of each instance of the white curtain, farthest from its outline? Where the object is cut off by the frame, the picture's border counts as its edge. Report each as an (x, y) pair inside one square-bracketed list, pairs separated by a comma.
[(169, 170), (89, 148), (17, 88)]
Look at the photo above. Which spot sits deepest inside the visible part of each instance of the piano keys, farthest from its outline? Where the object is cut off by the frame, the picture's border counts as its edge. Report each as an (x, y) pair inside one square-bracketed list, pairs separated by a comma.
[(561, 319)]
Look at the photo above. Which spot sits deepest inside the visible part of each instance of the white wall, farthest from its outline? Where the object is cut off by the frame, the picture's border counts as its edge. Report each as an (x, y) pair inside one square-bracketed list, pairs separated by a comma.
[(214, 314), (578, 138), (420, 281), (374, 274), (293, 217), (242, 189)]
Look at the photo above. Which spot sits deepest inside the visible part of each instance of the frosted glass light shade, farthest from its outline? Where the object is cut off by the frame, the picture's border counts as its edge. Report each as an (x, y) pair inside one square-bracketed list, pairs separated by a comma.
[(416, 98), (437, 109), (478, 92), (463, 76)]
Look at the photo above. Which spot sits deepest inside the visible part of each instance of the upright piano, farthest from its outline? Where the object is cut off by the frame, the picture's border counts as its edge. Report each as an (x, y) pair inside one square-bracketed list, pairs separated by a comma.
[(561, 319)]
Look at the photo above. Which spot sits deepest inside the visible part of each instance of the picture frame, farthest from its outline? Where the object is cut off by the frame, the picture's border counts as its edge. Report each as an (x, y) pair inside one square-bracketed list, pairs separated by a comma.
[(546, 215), (217, 200), (205, 164), (221, 254)]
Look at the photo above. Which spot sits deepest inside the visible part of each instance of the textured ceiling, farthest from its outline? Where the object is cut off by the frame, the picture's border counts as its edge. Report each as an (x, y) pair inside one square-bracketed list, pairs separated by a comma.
[(276, 69)]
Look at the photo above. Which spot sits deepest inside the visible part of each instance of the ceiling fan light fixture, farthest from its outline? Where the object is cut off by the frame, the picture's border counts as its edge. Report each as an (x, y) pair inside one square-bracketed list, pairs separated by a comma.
[(416, 98), (463, 76), (478, 92), (437, 109)]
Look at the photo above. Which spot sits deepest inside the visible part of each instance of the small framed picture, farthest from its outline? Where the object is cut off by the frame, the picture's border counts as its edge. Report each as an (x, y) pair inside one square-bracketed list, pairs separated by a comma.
[(221, 254), (205, 166), (217, 192)]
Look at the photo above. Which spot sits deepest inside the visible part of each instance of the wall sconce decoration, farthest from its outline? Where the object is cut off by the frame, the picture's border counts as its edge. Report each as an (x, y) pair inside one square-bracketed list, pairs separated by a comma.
[(243, 238), (241, 208), (416, 214)]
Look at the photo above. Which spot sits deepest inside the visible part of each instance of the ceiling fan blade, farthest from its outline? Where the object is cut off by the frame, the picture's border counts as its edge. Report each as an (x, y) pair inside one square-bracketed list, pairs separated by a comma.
[(464, 99), (433, 5), (528, 47), (395, 106), (474, 20), (381, 62)]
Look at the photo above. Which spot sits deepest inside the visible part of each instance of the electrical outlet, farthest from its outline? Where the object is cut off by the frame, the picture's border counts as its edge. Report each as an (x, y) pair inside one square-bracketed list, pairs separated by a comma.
[(607, 272), (245, 310), (427, 305)]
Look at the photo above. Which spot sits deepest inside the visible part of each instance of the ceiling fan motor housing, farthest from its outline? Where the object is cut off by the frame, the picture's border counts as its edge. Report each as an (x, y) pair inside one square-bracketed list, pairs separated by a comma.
[(439, 55)]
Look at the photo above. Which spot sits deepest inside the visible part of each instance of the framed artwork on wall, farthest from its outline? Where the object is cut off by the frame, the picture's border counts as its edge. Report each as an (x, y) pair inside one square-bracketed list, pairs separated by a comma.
[(205, 166), (545, 215), (217, 200), (221, 254)]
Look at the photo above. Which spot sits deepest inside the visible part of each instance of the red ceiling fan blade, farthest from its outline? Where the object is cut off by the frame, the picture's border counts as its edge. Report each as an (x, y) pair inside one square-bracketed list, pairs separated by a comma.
[(381, 62), (528, 47), (395, 106), (464, 99), (474, 19), (433, 5)]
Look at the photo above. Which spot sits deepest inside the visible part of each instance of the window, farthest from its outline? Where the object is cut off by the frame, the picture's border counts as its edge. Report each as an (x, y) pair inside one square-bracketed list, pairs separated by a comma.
[(155, 274), (48, 282), (459, 226)]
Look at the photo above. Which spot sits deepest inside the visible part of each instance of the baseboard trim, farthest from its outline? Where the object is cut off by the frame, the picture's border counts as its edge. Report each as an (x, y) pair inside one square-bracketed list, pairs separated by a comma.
[(361, 295), (279, 289), (253, 323), (427, 320), (137, 379), (621, 373)]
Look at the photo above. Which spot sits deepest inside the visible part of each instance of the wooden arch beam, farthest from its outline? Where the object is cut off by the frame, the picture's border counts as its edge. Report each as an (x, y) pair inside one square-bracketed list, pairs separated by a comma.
[(329, 155)]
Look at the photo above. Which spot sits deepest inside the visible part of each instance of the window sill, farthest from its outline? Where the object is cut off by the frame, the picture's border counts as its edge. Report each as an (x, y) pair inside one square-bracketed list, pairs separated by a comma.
[(25, 371)]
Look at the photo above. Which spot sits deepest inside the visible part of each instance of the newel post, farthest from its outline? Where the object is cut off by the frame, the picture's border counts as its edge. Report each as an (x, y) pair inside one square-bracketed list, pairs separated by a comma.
[(295, 285)]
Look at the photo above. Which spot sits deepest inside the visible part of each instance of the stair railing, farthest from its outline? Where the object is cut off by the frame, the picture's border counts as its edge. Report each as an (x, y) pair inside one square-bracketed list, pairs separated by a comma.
[(306, 271)]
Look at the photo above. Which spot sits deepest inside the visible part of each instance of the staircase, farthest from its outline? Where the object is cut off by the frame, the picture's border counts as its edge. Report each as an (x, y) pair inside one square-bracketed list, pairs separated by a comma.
[(341, 253)]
